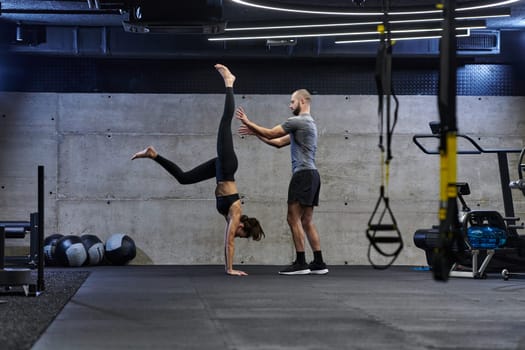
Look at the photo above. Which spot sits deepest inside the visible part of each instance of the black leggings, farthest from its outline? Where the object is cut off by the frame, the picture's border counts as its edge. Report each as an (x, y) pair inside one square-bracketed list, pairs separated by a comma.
[(224, 166)]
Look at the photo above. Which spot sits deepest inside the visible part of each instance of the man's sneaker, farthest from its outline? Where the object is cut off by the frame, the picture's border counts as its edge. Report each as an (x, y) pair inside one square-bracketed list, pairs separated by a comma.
[(317, 268), (295, 269)]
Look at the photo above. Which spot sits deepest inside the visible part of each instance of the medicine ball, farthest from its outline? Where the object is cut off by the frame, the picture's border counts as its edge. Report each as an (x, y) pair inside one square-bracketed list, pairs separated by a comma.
[(50, 244), (95, 249), (70, 251), (120, 249)]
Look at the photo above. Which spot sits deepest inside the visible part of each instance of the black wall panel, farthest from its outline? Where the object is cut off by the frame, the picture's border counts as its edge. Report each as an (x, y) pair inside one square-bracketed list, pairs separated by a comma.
[(321, 76)]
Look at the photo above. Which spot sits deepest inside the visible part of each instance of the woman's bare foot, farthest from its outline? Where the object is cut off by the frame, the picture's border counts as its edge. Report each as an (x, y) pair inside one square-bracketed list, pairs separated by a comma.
[(149, 152), (228, 77)]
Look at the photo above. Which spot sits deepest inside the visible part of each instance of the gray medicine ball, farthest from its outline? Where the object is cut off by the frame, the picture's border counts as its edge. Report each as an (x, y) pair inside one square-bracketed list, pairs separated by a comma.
[(95, 249), (70, 251), (120, 249)]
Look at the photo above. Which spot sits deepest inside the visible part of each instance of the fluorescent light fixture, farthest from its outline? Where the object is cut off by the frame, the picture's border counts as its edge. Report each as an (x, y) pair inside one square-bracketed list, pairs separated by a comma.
[(331, 23), (416, 20), (364, 22), (396, 39), (300, 26), (274, 5), (327, 32), (488, 5), (415, 30), (458, 18), (482, 17), (472, 27), (460, 33), (484, 13), (286, 36), (285, 9)]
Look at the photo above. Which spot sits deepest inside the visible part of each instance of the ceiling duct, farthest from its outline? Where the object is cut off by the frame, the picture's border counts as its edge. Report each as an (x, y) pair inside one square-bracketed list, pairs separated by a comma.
[(176, 17), (480, 42)]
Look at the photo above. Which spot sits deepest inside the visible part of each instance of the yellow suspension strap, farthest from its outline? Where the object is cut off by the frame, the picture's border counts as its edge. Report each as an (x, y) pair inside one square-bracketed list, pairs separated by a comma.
[(382, 226), (449, 228)]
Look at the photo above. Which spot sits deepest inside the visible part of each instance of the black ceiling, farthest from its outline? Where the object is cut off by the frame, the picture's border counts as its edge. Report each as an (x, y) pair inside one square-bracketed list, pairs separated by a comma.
[(95, 28), (79, 13)]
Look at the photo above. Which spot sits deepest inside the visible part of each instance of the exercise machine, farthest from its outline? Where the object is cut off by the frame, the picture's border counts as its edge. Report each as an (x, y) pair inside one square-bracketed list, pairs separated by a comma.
[(463, 249), (22, 277), (19, 230), (518, 184)]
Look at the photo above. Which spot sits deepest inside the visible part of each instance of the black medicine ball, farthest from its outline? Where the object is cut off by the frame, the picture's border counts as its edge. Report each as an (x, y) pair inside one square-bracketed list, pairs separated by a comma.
[(49, 248), (120, 249), (70, 251)]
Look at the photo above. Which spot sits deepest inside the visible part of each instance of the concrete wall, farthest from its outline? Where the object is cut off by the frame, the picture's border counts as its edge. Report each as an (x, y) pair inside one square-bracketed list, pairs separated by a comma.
[(85, 142)]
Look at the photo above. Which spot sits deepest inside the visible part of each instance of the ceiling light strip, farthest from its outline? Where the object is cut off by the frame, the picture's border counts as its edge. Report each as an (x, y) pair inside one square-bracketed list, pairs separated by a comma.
[(301, 26), (460, 33), (364, 12), (312, 12), (489, 5), (287, 36), (295, 36), (338, 25), (349, 24), (323, 32), (328, 22)]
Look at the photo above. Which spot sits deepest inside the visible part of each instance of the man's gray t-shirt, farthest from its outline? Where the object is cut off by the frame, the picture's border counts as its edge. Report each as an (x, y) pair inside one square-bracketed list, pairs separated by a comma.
[(303, 139)]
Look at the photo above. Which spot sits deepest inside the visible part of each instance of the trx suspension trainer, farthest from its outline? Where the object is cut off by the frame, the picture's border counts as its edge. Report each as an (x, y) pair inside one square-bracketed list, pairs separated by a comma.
[(449, 228), (382, 218)]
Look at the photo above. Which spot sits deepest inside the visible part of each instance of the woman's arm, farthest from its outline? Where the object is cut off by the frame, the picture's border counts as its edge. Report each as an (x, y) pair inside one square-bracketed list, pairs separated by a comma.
[(232, 225)]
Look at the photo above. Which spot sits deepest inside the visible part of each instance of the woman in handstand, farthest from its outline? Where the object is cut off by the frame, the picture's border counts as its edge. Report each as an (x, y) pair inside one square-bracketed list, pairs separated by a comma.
[(223, 168)]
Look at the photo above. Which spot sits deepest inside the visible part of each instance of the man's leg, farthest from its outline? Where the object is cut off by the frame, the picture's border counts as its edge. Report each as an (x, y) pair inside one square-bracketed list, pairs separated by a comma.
[(310, 229), (317, 266), (295, 212), (299, 267)]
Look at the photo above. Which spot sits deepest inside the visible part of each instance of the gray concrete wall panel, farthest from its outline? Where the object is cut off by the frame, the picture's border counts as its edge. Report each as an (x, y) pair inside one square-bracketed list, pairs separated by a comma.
[(29, 138), (167, 231), (98, 166), (86, 141)]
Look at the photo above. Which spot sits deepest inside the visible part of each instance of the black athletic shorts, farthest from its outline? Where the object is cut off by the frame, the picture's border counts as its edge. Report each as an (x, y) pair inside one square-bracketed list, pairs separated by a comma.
[(304, 188)]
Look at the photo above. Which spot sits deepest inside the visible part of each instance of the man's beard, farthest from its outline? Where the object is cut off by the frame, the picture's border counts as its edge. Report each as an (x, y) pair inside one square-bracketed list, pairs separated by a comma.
[(296, 111)]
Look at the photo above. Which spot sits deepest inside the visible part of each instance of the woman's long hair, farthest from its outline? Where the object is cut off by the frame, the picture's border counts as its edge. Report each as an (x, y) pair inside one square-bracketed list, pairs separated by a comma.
[(252, 227)]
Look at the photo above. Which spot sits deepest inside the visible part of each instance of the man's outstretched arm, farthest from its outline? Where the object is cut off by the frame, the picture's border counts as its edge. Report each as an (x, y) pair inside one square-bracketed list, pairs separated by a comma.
[(277, 143), (273, 133)]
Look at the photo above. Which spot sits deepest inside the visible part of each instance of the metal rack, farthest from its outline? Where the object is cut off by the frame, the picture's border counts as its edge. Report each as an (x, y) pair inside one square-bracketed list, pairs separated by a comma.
[(22, 277)]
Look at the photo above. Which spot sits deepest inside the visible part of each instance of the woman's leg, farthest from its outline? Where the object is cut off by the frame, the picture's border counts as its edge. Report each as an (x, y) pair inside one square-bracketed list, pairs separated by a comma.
[(227, 160), (225, 165), (200, 173)]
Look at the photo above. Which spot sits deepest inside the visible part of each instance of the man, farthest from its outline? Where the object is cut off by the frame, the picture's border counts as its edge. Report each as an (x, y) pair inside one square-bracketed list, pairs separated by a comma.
[(303, 193)]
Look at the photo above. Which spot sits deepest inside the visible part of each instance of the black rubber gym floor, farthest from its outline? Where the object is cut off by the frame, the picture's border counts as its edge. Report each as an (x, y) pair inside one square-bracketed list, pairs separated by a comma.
[(23, 319), (353, 307)]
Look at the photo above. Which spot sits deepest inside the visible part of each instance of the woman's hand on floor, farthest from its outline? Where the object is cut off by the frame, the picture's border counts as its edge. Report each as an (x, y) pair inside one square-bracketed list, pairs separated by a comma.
[(236, 273)]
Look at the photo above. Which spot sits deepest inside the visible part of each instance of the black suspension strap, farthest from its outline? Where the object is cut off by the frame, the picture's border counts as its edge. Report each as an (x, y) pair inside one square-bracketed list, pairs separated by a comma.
[(382, 218), (451, 240)]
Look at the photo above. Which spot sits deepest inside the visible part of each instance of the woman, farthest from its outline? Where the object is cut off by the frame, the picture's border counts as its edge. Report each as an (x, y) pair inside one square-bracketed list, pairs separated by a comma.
[(223, 168)]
